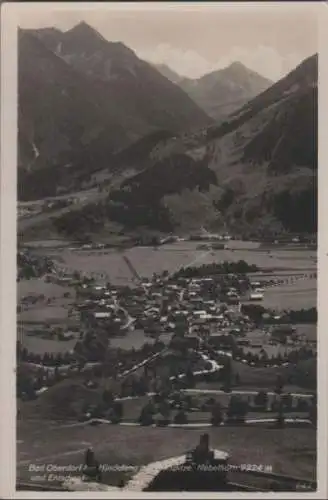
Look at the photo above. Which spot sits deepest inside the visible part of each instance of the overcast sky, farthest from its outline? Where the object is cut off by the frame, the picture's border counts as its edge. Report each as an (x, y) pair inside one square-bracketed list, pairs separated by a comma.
[(193, 40)]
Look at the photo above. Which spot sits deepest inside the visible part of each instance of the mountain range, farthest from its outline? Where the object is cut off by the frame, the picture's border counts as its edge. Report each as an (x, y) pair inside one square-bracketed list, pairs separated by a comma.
[(255, 172), (168, 169), (79, 92)]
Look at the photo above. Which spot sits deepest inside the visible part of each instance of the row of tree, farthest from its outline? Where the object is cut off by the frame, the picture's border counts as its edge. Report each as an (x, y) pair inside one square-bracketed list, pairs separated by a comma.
[(241, 267), (261, 315), (158, 410), (45, 359)]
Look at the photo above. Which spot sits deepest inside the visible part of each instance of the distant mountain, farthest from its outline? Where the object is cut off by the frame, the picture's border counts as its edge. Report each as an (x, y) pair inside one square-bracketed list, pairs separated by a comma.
[(255, 173), (82, 97), (225, 90), (168, 73)]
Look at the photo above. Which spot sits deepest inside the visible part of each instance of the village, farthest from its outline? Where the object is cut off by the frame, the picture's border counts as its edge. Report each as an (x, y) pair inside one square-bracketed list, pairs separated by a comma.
[(215, 310), (195, 347)]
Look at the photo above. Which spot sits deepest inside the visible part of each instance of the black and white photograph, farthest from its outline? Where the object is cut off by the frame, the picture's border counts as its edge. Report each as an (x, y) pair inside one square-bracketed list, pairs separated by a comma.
[(166, 260)]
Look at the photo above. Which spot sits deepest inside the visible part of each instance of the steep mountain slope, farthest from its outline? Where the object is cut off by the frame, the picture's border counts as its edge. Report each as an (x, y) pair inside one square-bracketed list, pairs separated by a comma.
[(255, 173), (225, 90), (80, 99), (59, 111), (168, 73), (138, 88), (265, 157)]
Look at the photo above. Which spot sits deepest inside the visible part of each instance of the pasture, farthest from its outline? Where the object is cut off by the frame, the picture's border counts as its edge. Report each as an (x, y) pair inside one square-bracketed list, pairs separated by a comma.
[(147, 260), (259, 339), (300, 295), (53, 307), (256, 378), (40, 346), (136, 339), (310, 331), (43, 313), (37, 286)]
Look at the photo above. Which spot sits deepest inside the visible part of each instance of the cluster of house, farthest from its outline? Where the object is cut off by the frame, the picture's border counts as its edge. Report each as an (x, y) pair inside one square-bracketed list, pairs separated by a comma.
[(26, 211), (207, 307), (157, 306)]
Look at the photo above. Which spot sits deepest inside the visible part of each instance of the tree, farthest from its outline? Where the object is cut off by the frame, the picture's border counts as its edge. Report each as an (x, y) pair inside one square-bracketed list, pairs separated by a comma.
[(279, 385), (216, 414), (275, 405), (146, 415), (261, 400), (57, 375), (287, 401), (227, 386), (181, 417), (165, 412), (157, 398), (76, 275), (302, 405), (107, 397), (176, 399), (254, 312), (117, 412), (190, 378), (237, 409), (141, 386), (313, 411), (227, 375), (280, 422)]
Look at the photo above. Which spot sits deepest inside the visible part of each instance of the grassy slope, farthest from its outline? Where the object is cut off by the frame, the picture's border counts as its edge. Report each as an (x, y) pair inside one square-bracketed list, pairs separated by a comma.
[(288, 451)]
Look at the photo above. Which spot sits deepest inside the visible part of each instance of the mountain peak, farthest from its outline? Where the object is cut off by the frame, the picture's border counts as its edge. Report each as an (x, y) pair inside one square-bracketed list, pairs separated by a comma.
[(83, 32), (308, 68), (82, 27), (86, 38), (237, 65), (241, 74), (238, 68)]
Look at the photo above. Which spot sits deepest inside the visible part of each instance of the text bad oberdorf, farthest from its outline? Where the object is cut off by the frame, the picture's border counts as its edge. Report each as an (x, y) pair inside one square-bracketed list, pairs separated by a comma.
[(56, 468)]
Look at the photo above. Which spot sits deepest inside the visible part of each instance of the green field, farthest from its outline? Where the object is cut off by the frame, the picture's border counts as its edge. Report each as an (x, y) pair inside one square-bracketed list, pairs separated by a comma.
[(137, 339), (40, 346), (45, 313), (52, 307), (40, 286), (34, 318), (300, 295), (171, 257)]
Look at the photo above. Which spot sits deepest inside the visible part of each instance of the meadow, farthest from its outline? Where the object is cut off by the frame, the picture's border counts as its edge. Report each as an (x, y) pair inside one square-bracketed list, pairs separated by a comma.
[(300, 295), (38, 345), (53, 309), (148, 260)]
